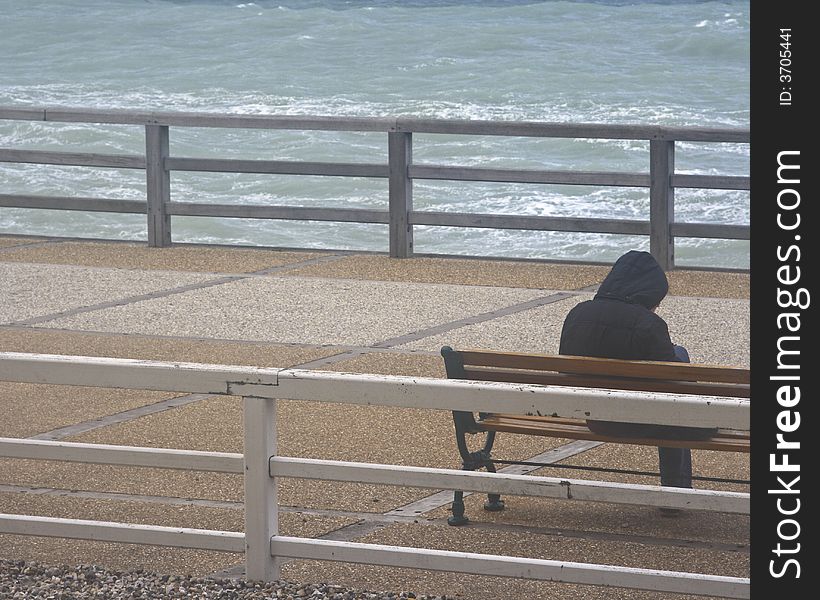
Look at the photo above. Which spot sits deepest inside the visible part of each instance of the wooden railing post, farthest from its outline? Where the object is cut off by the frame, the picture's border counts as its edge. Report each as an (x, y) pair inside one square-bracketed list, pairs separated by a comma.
[(662, 202), (400, 155), (261, 505), (158, 185)]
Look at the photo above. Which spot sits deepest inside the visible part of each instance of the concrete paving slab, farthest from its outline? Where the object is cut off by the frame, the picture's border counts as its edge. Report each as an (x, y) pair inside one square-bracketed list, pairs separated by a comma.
[(517, 274), (36, 290), (715, 331), (699, 525), (306, 429), (516, 544), (213, 424), (30, 409), (328, 312), (53, 341), (417, 364), (459, 271), (536, 330), (130, 556), (534, 545), (299, 310), (712, 284), (123, 480), (576, 519), (139, 256)]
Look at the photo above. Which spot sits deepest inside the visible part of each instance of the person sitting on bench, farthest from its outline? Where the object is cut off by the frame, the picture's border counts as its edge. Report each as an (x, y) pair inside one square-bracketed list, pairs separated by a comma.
[(620, 322)]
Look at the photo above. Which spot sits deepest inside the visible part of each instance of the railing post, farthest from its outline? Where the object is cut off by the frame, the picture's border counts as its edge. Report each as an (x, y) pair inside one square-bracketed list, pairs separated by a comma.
[(662, 202), (400, 155), (158, 188), (261, 505)]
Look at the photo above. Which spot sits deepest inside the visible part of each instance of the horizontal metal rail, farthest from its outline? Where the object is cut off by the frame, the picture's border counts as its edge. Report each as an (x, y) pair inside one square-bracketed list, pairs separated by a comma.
[(129, 533), (510, 484), (377, 554), (126, 456), (377, 390), (508, 566), (380, 474), (399, 169)]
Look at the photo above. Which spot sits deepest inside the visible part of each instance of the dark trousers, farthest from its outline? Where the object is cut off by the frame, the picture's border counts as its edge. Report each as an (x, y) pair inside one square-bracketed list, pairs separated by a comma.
[(675, 467), (676, 463)]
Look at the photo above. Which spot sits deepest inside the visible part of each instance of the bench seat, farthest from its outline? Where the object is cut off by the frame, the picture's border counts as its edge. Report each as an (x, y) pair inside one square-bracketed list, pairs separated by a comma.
[(726, 440), (577, 371)]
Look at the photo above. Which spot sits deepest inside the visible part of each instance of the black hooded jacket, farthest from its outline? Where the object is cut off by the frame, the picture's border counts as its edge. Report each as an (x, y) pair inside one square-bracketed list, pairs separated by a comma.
[(619, 323)]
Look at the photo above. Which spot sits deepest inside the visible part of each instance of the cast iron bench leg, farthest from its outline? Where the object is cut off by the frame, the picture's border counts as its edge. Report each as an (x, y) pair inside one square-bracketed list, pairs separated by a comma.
[(494, 502), (470, 462), (458, 517)]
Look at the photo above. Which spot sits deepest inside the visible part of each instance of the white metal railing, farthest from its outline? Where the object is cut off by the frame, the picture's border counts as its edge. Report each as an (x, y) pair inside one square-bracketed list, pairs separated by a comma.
[(260, 462), (399, 169)]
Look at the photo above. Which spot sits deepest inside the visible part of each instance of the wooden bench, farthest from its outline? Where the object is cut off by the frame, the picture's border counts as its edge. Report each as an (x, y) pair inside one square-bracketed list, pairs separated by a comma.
[(604, 373)]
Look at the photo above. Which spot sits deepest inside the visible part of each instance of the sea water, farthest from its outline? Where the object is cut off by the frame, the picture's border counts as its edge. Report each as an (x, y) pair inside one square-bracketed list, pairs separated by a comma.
[(676, 63)]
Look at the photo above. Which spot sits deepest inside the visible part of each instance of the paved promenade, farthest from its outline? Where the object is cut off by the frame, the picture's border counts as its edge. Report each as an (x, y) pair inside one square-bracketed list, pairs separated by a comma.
[(340, 312)]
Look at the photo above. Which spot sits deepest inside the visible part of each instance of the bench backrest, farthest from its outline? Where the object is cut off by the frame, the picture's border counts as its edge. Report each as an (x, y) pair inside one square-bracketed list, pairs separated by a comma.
[(608, 373)]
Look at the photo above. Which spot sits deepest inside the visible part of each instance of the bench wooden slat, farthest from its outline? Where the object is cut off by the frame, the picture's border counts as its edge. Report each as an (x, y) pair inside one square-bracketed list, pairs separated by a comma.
[(619, 383), (729, 433), (646, 369), (725, 440)]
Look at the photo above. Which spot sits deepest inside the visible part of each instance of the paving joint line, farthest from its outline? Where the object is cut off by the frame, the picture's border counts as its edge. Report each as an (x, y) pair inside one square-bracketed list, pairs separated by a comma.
[(473, 320), (124, 301), (23, 245), (300, 264), (145, 336), (182, 338), (390, 343), (120, 497), (120, 417), (332, 359), (222, 279)]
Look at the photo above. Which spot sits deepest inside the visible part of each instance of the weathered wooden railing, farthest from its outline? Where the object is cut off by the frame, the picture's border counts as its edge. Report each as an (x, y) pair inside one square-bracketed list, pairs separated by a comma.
[(264, 547), (400, 170)]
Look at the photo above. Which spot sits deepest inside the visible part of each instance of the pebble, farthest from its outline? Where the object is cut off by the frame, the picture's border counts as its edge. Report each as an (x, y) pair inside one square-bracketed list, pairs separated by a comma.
[(34, 581)]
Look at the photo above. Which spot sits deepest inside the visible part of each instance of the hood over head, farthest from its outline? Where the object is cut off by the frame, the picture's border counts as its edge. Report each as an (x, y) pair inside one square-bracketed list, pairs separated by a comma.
[(637, 278)]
